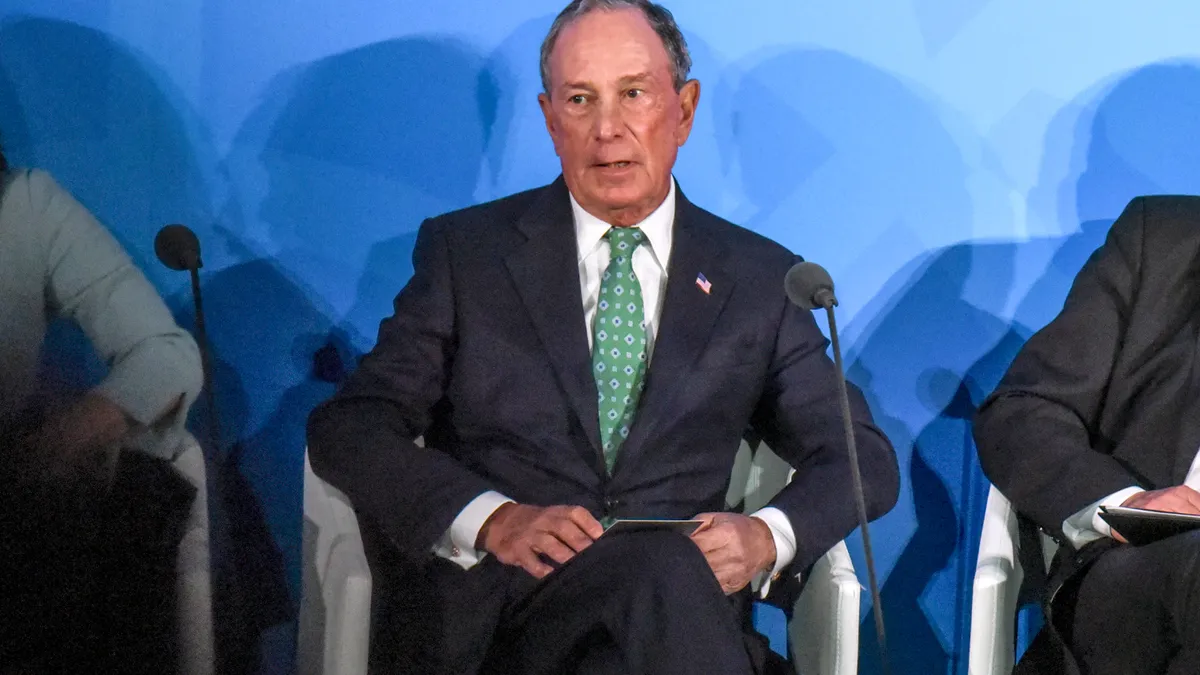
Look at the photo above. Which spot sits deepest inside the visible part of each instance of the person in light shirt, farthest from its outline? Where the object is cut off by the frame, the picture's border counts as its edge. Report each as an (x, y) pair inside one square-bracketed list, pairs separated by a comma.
[(585, 352), (1102, 408), (91, 509)]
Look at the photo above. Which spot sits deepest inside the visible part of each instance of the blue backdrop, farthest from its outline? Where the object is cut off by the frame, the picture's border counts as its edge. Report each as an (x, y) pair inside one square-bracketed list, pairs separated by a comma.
[(951, 162)]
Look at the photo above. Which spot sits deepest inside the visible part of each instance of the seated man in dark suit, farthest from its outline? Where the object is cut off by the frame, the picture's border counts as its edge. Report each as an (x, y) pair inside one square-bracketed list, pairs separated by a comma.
[(1102, 408), (588, 351)]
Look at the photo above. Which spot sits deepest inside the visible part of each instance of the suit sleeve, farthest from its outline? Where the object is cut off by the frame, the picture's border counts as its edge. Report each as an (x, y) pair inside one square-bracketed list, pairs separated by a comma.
[(799, 417), (1034, 432), (362, 440)]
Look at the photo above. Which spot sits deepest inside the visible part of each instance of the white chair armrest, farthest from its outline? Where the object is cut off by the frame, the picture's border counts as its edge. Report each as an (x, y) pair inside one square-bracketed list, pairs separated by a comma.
[(998, 577), (824, 627), (335, 605), (193, 571), (347, 596)]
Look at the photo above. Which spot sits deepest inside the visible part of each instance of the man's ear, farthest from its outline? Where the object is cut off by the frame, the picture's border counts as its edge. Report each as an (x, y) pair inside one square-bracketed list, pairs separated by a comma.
[(689, 99), (548, 114)]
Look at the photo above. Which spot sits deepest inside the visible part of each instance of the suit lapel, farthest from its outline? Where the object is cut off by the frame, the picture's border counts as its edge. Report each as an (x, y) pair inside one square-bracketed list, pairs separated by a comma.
[(546, 273), (687, 318)]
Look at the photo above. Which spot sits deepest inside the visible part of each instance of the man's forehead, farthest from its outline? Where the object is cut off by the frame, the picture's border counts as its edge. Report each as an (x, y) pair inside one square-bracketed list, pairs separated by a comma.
[(609, 44)]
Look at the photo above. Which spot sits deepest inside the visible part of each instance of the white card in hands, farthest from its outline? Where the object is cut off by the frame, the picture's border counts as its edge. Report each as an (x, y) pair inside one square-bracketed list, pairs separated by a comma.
[(684, 527)]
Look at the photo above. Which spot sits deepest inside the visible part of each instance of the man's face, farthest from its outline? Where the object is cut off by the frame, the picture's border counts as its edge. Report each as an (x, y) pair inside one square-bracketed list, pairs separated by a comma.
[(613, 113)]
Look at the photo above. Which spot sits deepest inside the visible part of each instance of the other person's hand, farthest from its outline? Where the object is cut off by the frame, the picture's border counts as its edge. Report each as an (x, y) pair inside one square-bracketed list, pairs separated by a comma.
[(1177, 499), (77, 447)]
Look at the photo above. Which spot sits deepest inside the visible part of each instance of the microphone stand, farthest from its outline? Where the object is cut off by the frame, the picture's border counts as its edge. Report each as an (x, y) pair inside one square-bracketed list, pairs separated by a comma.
[(210, 396), (860, 502)]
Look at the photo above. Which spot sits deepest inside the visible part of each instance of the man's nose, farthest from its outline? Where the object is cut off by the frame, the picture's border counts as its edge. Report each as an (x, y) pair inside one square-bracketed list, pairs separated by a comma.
[(609, 122)]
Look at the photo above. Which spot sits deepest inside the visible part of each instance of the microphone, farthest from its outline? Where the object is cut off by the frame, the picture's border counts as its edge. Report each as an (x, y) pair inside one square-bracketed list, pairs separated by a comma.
[(178, 248), (809, 286)]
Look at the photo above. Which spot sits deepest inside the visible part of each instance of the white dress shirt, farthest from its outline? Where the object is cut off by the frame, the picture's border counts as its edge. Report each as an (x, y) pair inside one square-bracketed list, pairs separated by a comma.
[(650, 263), (1087, 526)]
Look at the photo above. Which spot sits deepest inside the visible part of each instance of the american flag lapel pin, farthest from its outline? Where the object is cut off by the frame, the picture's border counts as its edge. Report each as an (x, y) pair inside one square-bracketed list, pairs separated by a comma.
[(704, 284)]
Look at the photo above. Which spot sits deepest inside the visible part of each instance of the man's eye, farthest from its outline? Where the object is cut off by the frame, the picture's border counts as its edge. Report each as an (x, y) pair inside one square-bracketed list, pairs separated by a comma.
[(577, 99), (634, 93)]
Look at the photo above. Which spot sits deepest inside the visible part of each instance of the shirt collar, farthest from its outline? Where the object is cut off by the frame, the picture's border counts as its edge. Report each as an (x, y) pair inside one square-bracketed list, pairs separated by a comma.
[(659, 228)]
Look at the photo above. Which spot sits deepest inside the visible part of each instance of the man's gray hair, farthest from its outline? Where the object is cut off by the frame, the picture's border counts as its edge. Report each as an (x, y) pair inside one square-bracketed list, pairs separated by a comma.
[(660, 20)]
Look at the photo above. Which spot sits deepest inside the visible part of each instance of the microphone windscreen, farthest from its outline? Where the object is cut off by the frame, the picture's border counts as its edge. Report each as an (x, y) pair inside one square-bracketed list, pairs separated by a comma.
[(804, 281), (178, 248)]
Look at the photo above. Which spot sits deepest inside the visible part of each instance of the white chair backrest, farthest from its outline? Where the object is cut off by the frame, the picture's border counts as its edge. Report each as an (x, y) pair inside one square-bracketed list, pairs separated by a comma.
[(758, 475)]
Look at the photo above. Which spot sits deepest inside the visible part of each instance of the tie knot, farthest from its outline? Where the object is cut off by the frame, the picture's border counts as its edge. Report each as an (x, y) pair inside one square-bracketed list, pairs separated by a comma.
[(624, 239)]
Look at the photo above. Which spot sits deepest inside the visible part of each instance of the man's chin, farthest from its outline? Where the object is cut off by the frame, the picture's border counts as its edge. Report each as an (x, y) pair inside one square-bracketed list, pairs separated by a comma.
[(619, 196)]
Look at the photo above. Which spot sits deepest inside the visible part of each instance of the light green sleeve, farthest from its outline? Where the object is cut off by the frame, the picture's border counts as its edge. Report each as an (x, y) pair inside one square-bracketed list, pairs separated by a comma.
[(153, 363)]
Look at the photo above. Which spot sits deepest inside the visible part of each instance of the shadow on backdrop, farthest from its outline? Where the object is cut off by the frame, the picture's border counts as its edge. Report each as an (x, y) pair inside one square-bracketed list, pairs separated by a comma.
[(339, 165), (830, 150), (248, 304), (110, 127), (519, 153), (929, 339), (842, 162)]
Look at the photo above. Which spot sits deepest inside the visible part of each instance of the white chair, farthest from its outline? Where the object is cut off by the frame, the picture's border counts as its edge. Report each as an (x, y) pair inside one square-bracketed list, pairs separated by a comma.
[(997, 588), (824, 627), (335, 605), (193, 579), (335, 600)]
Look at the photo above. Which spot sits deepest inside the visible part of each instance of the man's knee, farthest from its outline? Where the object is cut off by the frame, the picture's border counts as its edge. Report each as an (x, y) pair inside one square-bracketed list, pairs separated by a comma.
[(655, 556)]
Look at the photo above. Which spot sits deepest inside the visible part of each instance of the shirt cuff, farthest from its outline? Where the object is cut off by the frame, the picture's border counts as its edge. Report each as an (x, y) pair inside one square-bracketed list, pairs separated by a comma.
[(158, 374), (785, 544), (458, 543), (1086, 525)]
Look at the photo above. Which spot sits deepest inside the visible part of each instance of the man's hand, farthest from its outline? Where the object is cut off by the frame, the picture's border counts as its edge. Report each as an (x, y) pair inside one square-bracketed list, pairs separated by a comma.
[(1178, 499), (518, 533), (737, 547)]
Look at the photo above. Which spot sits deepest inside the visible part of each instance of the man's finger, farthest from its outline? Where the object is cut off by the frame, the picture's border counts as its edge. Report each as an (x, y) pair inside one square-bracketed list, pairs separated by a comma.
[(586, 522), (707, 520), (572, 534), (709, 541), (1191, 497), (549, 545), (1174, 503), (530, 562)]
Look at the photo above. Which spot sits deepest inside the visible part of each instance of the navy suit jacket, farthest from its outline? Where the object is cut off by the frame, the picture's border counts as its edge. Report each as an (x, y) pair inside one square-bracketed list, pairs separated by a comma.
[(486, 356)]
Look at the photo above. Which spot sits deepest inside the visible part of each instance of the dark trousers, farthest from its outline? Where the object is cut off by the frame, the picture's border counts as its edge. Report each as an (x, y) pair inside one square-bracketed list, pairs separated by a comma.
[(1137, 610), (88, 576), (636, 603)]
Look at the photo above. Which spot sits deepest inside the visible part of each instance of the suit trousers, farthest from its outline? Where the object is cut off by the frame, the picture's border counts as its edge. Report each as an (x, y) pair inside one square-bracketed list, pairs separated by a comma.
[(1137, 610), (643, 602)]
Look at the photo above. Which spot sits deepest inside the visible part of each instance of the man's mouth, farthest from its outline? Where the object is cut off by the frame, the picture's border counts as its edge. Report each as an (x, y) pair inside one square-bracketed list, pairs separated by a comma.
[(614, 165)]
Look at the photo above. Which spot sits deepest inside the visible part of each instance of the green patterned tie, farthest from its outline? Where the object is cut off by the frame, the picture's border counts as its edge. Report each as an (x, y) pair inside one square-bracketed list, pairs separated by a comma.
[(619, 342)]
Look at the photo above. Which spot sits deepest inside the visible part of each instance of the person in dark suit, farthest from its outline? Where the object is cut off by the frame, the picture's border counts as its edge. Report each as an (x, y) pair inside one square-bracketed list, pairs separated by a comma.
[(589, 351), (1100, 408)]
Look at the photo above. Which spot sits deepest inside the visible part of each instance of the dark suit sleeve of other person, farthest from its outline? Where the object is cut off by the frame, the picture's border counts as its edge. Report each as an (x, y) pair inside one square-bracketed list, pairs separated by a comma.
[(362, 440), (799, 417), (1035, 433)]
